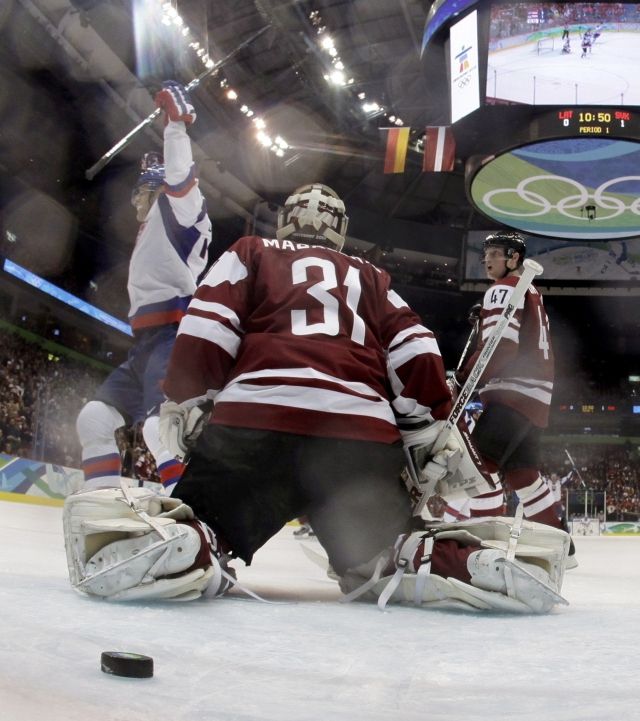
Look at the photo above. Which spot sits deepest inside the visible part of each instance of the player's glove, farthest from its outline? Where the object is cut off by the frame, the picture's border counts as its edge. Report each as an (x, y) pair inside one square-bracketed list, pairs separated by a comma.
[(422, 462), (181, 424), (174, 100), (455, 470)]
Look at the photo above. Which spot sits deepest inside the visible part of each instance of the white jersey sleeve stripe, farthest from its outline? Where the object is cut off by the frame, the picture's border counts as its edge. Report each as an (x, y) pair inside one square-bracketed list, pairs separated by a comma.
[(537, 394), (417, 330), (218, 309), (510, 333), (412, 349), (212, 331)]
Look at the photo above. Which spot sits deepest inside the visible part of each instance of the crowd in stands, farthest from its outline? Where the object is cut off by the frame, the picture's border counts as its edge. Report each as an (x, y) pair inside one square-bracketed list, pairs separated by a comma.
[(41, 394)]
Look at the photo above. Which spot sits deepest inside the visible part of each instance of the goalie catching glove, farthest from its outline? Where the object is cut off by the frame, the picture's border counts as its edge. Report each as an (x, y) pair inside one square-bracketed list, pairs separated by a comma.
[(127, 544), (455, 470), (181, 424), (174, 100)]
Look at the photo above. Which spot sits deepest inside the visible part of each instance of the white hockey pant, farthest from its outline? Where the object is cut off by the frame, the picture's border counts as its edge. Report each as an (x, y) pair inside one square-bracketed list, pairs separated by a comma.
[(96, 426)]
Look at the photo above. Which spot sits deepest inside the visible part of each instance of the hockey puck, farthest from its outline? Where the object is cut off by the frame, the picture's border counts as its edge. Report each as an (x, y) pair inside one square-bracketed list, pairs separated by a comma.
[(131, 665)]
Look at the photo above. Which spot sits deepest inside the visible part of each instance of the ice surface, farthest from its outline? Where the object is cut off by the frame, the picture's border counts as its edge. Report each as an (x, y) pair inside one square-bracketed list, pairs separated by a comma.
[(309, 657)]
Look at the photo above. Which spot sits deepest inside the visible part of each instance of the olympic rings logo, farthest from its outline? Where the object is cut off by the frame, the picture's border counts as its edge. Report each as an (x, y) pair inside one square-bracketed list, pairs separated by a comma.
[(574, 202), (464, 81)]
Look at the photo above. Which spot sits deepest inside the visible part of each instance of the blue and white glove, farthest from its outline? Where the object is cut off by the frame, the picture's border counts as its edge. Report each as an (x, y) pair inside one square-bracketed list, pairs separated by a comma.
[(174, 100)]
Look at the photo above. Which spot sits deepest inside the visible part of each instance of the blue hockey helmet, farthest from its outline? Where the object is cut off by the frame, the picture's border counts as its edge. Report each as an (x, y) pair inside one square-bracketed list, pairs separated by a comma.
[(151, 173)]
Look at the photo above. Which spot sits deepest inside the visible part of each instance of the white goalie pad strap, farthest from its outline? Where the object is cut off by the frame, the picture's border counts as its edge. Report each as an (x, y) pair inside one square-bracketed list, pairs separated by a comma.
[(514, 536), (362, 589), (405, 562), (427, 590)]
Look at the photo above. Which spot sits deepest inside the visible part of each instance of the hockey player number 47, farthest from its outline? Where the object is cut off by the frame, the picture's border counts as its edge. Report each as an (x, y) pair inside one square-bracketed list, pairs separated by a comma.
[(331, 305)]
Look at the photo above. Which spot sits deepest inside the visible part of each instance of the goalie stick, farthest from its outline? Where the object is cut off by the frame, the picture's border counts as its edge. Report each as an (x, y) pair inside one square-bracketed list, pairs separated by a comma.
[(531, 269), (91, 173)]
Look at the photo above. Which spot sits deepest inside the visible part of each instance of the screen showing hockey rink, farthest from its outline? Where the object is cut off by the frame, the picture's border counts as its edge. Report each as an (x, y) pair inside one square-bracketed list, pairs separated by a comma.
[(564, 54)]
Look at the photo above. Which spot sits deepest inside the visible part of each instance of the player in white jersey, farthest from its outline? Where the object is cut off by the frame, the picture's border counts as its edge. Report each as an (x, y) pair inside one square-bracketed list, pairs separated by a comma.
[(170, 255)]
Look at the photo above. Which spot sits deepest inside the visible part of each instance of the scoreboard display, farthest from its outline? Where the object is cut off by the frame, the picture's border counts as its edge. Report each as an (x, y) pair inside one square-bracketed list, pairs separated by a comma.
[(586, 122)]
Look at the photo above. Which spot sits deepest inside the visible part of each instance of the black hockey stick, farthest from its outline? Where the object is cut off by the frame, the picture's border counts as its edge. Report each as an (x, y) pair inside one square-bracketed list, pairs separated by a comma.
[(122, 144), (470, 345)]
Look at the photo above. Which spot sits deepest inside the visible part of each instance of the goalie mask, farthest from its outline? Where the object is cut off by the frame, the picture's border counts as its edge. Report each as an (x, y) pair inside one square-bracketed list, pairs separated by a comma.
[(510, 242), (313, 214)]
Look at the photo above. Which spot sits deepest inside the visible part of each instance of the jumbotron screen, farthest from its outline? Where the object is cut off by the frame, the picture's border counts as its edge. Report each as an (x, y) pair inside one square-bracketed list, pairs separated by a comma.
[(564, 54)]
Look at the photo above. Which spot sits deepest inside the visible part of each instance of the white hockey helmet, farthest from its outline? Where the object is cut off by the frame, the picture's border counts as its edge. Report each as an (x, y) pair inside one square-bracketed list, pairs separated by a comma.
[(313, 214)]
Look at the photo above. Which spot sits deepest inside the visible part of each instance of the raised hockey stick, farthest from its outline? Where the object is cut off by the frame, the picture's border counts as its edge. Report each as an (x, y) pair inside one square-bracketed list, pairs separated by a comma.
[(91, 173), (575, 469), (531, 269)]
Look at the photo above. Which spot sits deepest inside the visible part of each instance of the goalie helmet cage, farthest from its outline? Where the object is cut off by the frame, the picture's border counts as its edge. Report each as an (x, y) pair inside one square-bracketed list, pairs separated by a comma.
[(545, 45)]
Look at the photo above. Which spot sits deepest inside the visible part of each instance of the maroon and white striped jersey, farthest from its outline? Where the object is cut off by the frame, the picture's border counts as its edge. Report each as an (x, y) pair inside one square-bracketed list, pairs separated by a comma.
[(521, 371), (304, 339)]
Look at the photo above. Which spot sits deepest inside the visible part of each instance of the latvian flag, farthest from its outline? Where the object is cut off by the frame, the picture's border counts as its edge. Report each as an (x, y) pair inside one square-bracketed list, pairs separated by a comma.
[(439, 150), (396, 153)]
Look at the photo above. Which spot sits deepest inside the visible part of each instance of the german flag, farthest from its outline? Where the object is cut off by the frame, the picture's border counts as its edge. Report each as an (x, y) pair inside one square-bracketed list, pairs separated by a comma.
[(395, 155)]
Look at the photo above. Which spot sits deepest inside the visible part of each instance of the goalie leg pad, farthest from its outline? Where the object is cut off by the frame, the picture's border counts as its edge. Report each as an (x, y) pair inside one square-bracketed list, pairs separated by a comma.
[(139, 560), (510, 585), (129, 543), (514, 565)]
